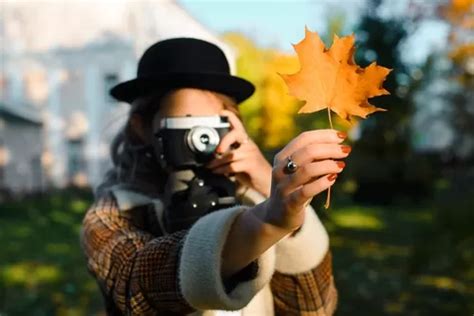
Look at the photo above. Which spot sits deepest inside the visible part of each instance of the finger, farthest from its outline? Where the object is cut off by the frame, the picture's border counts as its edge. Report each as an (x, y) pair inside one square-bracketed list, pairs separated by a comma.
[(309, 172), (299, 197), (235, 154), (234, 121), (232, 167), (230, 156), (317, 151), (309, 154), (231, 137), (308, 137)]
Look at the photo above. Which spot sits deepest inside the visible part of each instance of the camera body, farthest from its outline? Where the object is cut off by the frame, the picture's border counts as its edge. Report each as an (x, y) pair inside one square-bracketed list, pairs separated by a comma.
[(182, 146), (189, 141)]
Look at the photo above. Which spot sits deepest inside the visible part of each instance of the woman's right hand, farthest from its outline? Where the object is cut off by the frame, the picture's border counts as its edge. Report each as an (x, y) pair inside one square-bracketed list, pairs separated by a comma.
[(314, 152)]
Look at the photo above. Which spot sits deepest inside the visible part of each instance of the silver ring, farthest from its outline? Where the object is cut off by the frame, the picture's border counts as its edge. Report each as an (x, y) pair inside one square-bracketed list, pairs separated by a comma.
[(291, 166)]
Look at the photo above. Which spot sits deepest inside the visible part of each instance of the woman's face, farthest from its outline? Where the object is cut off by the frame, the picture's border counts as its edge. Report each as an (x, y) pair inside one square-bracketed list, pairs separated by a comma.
[(189, 101), (181, 102)]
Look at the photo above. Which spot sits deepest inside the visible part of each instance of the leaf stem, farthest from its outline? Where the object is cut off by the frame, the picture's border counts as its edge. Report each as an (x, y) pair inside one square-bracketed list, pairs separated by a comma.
[(328, 197), (329, 116)]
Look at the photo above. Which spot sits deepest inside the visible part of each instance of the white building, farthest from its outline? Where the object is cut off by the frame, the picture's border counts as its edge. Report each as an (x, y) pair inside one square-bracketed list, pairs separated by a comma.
[(63, 56), (20, 150)]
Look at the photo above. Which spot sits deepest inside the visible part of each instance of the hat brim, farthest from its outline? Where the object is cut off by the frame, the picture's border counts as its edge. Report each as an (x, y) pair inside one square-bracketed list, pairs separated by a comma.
[(235, 87)]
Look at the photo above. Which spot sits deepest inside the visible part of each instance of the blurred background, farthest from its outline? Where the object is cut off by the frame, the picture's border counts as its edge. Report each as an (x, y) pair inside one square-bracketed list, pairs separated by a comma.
[(402, 212)]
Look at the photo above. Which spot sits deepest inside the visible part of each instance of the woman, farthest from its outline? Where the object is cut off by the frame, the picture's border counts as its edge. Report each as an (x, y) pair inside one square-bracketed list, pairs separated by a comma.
[(266, 255)]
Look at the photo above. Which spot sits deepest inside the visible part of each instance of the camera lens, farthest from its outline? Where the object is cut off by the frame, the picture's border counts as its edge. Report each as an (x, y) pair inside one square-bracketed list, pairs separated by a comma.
[(203, 139)]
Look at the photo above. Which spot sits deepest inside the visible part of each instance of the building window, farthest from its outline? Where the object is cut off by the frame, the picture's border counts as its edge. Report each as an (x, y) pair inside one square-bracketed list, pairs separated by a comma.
[(110, 80), (75, 161)]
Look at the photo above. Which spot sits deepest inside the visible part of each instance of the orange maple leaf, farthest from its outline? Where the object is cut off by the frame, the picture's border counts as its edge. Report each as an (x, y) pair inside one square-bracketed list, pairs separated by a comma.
[(329, 78)]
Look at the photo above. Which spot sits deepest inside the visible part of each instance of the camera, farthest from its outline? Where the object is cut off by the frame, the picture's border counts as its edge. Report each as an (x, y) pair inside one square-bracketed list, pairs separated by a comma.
[(183, 145), (189, 141)]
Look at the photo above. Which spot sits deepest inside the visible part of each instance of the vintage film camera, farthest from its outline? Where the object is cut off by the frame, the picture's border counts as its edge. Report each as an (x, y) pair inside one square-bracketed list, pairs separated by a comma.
[(183, 145), (190, 140)]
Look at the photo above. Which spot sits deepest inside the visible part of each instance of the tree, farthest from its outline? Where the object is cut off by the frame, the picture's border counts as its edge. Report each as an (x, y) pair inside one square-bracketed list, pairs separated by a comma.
[(269, 113), (459, 15), (383, 159)]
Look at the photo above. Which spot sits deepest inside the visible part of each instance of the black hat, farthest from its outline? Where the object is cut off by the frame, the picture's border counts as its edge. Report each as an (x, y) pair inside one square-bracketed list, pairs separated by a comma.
[(179, 63)]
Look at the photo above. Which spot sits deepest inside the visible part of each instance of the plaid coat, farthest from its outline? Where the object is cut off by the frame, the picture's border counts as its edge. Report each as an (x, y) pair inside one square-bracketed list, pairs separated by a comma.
[(141, 270)]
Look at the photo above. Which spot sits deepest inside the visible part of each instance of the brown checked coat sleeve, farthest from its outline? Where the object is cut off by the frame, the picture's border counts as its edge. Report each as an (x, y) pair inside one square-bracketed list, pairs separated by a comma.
[(136, 272), (310, 293)]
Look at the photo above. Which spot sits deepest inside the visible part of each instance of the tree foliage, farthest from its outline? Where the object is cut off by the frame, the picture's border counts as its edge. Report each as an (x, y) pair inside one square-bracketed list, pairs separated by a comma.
[(269, 113)]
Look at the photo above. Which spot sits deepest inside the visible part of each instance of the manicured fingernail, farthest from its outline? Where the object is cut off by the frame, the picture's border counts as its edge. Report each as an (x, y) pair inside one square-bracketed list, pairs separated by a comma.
[(342, 135), (332, 176), (346, 149), (341, 164)]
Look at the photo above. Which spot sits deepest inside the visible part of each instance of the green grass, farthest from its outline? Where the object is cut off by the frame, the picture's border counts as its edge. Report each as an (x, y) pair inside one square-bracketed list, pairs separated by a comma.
[(401, 260), (42, 270)]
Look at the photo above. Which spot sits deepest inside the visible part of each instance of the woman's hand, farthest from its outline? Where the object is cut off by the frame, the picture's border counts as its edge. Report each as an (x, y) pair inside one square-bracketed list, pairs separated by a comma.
[(246, 161), (261, 226), (314, 153)]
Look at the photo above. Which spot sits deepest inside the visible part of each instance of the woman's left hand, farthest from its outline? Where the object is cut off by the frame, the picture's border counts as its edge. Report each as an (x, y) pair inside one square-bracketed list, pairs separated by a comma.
[(246, 161)]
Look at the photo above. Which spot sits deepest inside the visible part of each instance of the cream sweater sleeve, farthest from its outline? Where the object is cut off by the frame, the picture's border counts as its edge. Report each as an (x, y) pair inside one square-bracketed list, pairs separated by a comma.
[(200, 265), (303, 251)]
